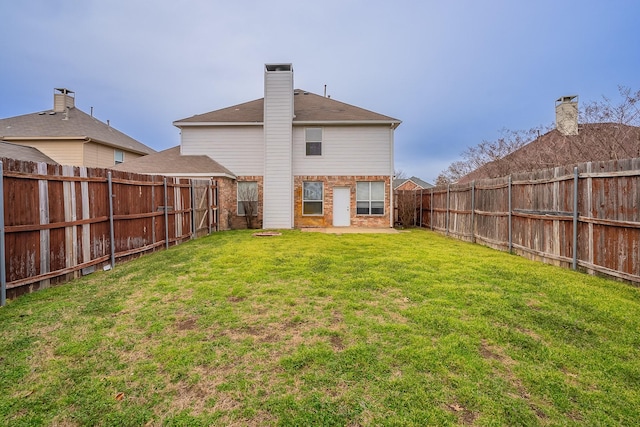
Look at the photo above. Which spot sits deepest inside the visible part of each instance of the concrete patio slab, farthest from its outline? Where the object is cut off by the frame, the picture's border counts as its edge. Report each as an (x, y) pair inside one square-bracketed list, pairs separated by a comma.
[(351, 230)]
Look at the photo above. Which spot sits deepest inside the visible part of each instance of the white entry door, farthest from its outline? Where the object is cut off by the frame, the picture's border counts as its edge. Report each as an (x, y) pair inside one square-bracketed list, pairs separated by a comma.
[(341, 206)]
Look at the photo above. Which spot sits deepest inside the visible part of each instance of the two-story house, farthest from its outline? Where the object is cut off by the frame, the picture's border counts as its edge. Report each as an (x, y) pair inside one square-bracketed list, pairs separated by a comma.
[(299, 159), (70, 136)]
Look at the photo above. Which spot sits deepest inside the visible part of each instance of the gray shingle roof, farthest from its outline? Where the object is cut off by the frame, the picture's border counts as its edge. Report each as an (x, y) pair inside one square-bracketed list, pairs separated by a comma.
[(308, 107), (594, 142), (46, 124), (171, 162), (22, 152)]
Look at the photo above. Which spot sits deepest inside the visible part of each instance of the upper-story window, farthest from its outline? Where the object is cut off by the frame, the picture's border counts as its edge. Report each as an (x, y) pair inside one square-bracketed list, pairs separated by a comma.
[(313, 141), (118, 157)]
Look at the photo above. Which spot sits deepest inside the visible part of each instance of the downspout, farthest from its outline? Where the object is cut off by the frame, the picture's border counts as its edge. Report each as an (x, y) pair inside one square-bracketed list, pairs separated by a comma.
[(392, 212)]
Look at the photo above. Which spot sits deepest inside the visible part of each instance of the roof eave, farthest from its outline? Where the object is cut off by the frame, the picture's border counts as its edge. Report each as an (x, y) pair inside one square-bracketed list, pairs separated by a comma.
[(393, 123), (195, 124)]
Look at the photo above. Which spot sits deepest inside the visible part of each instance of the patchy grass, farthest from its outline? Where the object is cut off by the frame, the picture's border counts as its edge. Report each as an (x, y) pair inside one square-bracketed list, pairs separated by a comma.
[(315, 329)]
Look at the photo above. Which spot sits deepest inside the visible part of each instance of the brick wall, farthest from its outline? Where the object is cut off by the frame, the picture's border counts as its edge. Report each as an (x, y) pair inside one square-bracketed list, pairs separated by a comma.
[(326, 220), (228, 201)]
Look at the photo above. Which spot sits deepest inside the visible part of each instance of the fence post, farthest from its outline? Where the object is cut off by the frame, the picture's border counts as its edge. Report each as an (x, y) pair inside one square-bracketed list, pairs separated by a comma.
[(3, 274), (193, 212), (166, 215), (216, 216), (448, 203), (431, 206), (209, 210), (473, 211), (111, 228), (575, 218), (510, 220), (421, 207)]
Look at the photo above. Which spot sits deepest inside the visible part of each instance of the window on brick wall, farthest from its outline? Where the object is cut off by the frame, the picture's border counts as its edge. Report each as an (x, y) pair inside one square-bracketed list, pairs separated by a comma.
[(312, 198), (370, 198), (313, 141), (247, 198)]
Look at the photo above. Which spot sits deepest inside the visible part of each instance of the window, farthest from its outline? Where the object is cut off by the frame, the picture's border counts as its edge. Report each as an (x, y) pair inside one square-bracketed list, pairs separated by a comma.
[(118, 156), (312, 198), (313, 141), (370, 198), (247, 198)]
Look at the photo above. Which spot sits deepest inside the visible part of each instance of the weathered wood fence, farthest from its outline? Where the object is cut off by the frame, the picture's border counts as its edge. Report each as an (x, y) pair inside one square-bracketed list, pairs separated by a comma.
[(587, 217), (58, 222)]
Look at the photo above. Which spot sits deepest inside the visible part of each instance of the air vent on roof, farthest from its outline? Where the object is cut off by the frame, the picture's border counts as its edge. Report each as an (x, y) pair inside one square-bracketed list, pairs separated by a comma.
[(52, 113), (41, 113)]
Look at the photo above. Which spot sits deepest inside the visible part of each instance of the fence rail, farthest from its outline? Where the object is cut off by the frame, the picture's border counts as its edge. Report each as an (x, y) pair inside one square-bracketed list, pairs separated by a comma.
[(58, 222), (587, 217)]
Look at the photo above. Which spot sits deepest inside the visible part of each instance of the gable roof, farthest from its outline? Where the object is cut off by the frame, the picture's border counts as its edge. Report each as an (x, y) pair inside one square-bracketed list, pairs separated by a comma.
[(308, 108), (417, 181), (171, 162), (78, 125), (594, 142), (23, 152)]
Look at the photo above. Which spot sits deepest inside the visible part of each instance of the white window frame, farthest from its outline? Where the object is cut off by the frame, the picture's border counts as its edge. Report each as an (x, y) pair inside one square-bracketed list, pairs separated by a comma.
[(312, 139), (305, 200), (239, 206), (118, 159), (360, 199)]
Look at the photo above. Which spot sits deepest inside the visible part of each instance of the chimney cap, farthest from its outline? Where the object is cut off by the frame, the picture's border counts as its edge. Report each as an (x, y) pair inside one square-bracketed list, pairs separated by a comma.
[(279, 67), (567, 98), (64, 90)]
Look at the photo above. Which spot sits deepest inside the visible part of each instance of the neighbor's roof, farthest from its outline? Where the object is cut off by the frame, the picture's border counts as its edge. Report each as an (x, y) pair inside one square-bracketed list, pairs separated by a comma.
[(594, 142), (171, 162), (308, 107), (23, 152), (420, 183), (47, 124)]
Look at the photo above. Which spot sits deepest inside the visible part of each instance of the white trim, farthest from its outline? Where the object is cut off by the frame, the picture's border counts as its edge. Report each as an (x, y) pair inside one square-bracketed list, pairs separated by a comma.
[(187, 124)]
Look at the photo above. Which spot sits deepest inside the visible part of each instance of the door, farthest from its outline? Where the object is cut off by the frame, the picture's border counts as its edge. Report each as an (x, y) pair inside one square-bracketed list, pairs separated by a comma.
[(341, 206)]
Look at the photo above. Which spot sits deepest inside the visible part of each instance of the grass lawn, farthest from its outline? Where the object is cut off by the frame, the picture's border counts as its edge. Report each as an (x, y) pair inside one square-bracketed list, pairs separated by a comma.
[(315, 329)]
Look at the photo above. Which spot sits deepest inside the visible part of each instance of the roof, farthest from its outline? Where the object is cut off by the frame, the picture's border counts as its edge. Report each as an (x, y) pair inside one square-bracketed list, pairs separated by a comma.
[(420, 183), (308, 107), (23, 152), (78, 125), (594, 142), (171, 162)]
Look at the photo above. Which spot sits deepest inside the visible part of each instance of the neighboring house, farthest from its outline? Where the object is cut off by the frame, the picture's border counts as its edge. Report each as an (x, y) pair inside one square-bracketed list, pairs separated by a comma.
[(20, 152), (569, 143), (70, 136), (305, 160), (413, 183)]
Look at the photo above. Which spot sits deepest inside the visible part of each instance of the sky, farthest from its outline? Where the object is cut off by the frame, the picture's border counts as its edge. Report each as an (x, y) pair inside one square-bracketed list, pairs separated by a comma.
[(456, 72)]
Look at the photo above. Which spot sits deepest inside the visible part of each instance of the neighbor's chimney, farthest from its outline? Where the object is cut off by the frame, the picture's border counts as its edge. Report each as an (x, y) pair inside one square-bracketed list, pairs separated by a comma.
[(63, 99), (567, 115)]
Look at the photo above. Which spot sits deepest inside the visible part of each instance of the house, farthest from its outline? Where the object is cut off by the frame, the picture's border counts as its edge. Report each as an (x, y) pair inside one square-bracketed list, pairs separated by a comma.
[(9, 150), (71, 137), (301, 159), (413, 183), (569, 143)]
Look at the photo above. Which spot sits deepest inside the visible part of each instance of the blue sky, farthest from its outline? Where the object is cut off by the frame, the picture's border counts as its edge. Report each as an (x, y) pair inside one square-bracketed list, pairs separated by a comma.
[(455, 72)]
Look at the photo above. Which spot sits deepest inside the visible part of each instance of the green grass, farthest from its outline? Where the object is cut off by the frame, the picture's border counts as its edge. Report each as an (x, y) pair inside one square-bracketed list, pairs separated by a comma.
[(314, 329)]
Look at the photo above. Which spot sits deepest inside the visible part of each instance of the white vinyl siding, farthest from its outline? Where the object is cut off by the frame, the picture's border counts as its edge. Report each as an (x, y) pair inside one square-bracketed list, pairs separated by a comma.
[(238, 148), (346, 150), (278, 177)]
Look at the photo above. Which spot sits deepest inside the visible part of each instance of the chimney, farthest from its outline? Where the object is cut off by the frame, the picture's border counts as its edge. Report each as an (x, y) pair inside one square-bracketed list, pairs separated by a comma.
[(278, 140), (63, 99), (567, 115)]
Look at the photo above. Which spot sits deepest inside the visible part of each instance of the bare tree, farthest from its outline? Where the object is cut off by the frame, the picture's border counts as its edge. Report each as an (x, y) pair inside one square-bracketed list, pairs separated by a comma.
[(407, 203), (248, 202), (608, 130)]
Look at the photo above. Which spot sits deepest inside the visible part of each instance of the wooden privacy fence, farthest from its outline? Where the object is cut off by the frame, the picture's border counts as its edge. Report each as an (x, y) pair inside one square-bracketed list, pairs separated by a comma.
[(57, 222), (586, 217)]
